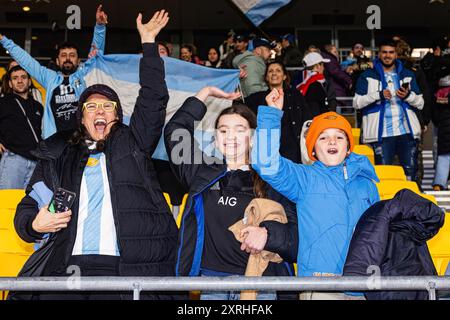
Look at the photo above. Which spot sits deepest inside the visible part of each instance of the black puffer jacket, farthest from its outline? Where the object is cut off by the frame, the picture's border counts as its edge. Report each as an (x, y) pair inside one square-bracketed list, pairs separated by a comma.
[(282, 238), (392, 235), (146, 231)]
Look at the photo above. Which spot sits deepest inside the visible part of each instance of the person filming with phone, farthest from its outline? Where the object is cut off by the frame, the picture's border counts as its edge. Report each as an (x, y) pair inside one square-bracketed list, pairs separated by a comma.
[(387, 96), (119, 223)]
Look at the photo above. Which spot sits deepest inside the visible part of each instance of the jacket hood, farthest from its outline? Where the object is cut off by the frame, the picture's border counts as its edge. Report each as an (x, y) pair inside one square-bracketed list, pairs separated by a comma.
[(244, 56), (414, 216), (378, 67), (357, 165)]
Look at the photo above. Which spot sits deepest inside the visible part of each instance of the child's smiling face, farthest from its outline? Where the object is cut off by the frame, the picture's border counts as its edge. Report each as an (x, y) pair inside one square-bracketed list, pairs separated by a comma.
[(331, 147)]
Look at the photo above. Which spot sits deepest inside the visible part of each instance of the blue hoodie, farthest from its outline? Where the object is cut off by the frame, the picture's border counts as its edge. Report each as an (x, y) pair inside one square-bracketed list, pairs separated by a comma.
[(330, 200)]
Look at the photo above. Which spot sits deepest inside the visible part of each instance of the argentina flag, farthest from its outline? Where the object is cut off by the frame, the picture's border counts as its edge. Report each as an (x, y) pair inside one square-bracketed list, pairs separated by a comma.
[(259, 10), (183, 79)]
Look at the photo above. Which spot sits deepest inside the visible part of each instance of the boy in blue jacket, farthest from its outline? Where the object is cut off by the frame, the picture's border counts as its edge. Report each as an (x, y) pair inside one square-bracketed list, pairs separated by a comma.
[(331, 194)]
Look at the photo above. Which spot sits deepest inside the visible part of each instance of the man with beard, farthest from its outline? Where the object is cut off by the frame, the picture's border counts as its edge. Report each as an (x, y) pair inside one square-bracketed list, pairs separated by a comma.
[(20, 131), (387, 95), (63, 87)]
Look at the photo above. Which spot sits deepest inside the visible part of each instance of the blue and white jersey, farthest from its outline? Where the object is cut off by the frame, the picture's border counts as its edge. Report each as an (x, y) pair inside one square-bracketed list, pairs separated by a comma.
[(96, 232), (395, 121)]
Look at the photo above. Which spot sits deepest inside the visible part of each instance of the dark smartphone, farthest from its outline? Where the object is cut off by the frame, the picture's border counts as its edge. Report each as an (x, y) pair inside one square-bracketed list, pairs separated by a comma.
[(62, 200), (405, 85)]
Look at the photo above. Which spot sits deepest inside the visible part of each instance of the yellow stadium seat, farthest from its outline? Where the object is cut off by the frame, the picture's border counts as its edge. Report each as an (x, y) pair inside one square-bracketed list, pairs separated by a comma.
[(439, 247), (13, 250), (356, 132), (388, 189), (366, 151), (385, 172)]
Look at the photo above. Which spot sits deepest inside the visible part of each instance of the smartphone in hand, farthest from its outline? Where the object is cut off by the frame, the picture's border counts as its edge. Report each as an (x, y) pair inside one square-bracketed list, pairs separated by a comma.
[(62, 200), (405, 85)]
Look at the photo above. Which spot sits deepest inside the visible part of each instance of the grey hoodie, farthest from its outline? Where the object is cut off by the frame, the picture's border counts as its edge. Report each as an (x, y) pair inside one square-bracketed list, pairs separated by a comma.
[(255, 68)]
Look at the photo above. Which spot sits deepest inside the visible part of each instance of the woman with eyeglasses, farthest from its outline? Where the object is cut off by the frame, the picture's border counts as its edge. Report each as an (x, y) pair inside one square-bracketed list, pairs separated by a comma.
[(119, 223)]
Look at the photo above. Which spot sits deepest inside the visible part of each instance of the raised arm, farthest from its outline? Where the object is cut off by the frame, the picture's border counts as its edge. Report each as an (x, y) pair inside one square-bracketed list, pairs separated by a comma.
[(184, 152), (101, 20), (31, 65), (149, 113), (282, 174)]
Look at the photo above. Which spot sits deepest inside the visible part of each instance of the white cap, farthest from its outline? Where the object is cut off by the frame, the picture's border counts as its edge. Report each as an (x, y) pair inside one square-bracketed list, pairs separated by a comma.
[(313, 58)]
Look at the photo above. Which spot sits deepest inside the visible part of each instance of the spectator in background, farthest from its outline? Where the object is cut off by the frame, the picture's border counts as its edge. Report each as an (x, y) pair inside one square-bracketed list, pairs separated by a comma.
[(356, 64), (311, 48), (435, 67), (404, 55), (187, 53), (34, 91), (254, 66), (387, 95), (240, 46), (340, 80), (227, 47), (20, 130), (214, 60), (318, 92), (65, 86), (295, 109), (441, 116), (291, 56), (163, 49)]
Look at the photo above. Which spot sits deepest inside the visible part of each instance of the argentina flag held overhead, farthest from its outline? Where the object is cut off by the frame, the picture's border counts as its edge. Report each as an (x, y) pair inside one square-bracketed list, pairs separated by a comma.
[(184, 79)]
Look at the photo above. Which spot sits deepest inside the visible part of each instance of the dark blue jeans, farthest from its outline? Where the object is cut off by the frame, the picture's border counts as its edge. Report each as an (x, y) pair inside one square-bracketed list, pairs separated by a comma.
[(405, 147)]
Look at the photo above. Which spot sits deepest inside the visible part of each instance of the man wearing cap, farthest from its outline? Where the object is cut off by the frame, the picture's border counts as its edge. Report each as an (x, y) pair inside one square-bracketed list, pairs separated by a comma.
[(254, 65), (291, 56), (240, 45), (119, 224), (65, 86), (318, 92)]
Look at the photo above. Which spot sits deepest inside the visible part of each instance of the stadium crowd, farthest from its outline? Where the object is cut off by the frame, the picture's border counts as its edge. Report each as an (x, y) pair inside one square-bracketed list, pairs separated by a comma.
[(288, 164)]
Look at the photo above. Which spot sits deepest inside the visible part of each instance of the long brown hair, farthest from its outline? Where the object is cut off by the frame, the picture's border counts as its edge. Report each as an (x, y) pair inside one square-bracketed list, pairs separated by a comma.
[(286, 82), (259, 186)]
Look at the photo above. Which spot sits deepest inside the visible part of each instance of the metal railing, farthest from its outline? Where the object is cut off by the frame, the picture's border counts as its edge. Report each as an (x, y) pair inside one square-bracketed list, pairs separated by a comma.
[(138, 284)]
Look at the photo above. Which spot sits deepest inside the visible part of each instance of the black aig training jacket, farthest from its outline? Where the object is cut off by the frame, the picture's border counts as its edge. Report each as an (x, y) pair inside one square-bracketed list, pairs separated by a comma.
[(392, 235), (145, 228), (282, 238)]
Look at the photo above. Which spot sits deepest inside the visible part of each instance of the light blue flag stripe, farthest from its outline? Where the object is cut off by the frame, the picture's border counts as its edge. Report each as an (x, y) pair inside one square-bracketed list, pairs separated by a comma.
[(92, 224), (180, 75), (183, 79), (262, 10)]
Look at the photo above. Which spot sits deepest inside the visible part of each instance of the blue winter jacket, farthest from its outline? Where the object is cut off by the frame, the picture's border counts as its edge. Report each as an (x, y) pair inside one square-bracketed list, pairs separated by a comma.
[(50, 79), (330, 200), (370, 100)]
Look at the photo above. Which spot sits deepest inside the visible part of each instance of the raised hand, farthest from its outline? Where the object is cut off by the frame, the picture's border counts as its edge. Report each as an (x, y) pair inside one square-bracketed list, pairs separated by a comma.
[(206, 92), (275, 99), (100, 16), (150, 30)]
